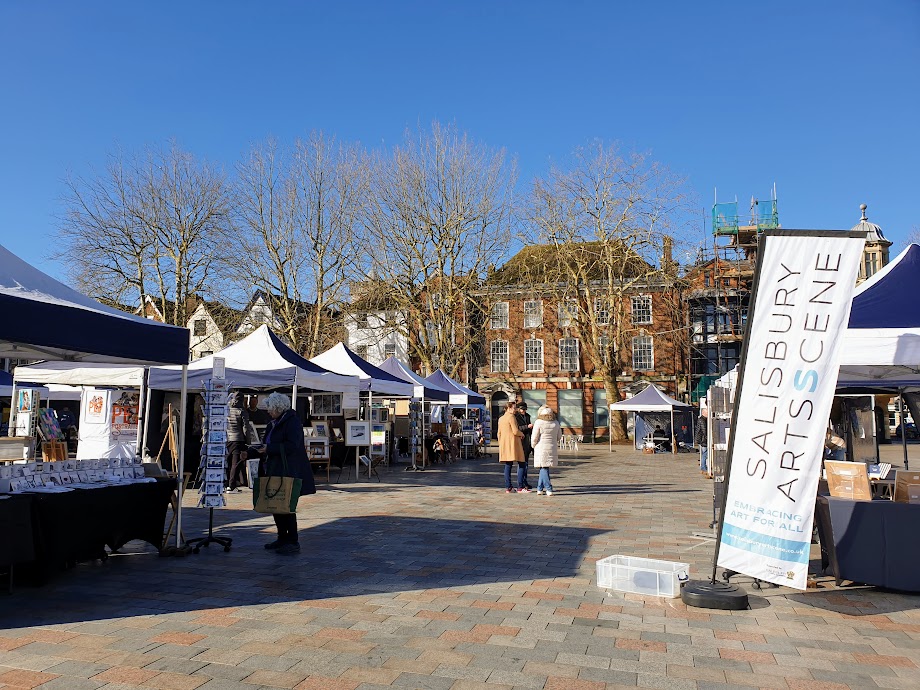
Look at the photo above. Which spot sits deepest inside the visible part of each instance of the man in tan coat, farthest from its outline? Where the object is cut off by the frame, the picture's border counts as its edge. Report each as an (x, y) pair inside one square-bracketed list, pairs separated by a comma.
[(511, 449)]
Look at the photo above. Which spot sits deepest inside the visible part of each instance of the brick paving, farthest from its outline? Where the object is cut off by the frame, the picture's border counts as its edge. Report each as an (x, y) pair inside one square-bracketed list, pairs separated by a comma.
[(441, 580)]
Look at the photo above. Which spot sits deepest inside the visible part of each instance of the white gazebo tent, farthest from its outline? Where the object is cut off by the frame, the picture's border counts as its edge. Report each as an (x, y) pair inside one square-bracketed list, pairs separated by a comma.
[(651, 400), (74, 375)]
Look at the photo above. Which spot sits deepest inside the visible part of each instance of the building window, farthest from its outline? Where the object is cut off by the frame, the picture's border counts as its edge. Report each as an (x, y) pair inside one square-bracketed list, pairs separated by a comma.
[(643, 352), (361, 321), (389, 350), (201, 327), (568, 311), (207, 353), (601, 412), (533, 313), (642, 309), (361, 351), (498, 356), (602, 311), (568, 354), (535, 399), (500, 315), (570, 408), (603, 346), (533, 355)]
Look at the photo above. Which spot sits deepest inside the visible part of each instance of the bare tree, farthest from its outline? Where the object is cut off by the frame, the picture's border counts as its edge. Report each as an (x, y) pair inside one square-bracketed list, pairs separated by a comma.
[(298, 211), (606, 222), (440, 214), (151, 226)]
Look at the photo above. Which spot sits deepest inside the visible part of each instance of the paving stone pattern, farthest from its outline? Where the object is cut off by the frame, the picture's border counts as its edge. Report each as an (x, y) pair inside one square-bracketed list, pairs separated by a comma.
[(440, 580)]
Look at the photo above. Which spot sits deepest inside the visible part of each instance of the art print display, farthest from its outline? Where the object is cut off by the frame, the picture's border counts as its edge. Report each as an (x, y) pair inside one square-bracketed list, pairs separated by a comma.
[(96, 407)]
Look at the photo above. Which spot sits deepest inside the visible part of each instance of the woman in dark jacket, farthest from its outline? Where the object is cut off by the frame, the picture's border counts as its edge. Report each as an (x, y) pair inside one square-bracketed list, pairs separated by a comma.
[(285, 431)]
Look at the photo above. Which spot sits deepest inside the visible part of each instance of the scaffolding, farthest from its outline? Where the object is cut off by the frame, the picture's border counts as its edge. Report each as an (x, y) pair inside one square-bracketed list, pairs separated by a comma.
[(718, 306)]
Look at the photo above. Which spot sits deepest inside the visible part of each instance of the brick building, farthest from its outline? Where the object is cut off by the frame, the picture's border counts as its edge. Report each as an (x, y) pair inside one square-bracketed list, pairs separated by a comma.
[(542, 345)]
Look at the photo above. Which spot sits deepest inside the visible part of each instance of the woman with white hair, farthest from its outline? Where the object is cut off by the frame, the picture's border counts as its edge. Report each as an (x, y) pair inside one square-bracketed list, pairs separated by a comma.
[(545, 441), (284, 448)]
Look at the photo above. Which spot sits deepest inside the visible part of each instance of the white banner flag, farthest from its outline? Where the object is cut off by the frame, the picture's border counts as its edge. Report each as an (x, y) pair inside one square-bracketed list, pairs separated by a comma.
[(789, 372)]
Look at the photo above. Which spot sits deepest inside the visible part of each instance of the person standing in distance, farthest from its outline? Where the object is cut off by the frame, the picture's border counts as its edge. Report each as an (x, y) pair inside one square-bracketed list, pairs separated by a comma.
[(510, 449), (545, 440), (237, 427)]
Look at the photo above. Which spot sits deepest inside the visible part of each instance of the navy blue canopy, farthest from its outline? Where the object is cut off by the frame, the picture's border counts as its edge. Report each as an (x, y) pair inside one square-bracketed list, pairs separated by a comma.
[(889, 300), (393, 366), (439, 378), (45, 319), (881, 347)]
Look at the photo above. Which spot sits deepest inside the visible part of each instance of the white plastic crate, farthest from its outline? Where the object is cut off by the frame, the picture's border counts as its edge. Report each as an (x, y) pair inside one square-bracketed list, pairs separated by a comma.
[(642, 575)]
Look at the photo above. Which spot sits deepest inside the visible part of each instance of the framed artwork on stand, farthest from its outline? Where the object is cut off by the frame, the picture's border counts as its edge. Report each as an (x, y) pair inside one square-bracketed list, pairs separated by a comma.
[(321, 429), (357, 433)]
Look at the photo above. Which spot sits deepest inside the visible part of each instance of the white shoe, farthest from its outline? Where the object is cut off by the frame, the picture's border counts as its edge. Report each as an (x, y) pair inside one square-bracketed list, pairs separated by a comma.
[(540, 492), (549, 493)]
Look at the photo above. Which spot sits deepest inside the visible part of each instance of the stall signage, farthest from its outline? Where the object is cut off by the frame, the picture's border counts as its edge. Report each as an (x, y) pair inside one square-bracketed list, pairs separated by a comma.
[(418, 392), (457, 399), (802, 299)]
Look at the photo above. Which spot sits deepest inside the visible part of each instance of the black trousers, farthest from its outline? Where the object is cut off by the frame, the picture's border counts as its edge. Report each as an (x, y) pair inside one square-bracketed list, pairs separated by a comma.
[(236, 464), (287, 528)]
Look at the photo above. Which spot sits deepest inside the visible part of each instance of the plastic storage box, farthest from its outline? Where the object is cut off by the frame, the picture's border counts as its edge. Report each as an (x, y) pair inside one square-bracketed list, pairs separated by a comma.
[(642, 575)]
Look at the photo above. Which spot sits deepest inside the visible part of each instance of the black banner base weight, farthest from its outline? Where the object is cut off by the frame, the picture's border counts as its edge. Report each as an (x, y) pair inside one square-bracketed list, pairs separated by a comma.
[(706, 594)]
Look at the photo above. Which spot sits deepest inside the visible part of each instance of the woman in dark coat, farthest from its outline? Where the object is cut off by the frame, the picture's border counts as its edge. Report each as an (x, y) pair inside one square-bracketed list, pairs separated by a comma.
[(285, 431)]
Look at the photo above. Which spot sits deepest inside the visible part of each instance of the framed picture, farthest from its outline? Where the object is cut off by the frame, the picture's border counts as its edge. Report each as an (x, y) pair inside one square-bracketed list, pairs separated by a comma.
[(357, 433), (337, 433), (252, 467), (321, 429)]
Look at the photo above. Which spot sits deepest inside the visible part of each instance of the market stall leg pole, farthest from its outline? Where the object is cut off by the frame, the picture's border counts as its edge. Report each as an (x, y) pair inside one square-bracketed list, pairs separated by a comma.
[(146, 422), (12, 430), (294, 397), (903, 427), (180, 477), (138, 447), (673, 436)]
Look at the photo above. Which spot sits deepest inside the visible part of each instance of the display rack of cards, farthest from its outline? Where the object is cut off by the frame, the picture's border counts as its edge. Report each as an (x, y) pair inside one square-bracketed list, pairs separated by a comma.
[(213, 452)]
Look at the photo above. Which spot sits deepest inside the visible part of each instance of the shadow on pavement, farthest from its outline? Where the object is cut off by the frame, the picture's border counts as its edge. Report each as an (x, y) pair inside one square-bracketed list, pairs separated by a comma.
[(343, 557)]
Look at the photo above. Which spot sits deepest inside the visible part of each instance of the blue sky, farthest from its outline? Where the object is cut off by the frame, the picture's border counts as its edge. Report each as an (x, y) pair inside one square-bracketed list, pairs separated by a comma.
[(822, 98)]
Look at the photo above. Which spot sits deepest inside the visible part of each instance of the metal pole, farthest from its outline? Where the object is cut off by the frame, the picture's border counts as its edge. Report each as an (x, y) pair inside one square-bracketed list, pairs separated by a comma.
[(903, 427), (183, 404), (146, 421), (138, 448), (673, 437), (294, 397)]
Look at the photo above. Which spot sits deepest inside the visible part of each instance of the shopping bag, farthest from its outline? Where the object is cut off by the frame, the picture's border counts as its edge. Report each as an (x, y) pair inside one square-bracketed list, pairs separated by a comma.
[(276, 495)]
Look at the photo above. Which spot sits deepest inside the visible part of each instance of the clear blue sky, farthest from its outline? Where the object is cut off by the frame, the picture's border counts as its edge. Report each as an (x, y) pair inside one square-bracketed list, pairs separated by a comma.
[(821, 97)]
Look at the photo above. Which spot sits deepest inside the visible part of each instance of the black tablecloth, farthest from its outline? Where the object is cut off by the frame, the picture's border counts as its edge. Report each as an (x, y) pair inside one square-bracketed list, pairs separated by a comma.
[(872, 542), (78, 525), (16, 543)]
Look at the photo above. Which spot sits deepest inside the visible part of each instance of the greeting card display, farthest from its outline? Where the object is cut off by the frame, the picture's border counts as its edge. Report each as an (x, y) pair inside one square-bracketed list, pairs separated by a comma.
[(214, 443)]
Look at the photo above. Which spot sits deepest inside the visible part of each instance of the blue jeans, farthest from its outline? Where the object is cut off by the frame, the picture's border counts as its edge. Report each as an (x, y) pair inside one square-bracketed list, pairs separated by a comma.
[(544, 484), (520, 475), (704, 458)]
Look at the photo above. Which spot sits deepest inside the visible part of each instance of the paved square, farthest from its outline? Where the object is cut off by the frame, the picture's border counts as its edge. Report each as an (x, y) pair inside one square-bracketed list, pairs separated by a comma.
[(441, 580)]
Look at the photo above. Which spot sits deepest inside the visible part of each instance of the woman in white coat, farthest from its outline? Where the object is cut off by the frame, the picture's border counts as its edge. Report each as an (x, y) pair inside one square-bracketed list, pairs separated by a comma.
[(545, 441)]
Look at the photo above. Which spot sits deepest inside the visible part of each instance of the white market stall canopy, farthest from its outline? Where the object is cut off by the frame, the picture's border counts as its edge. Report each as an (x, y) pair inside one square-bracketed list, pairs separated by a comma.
[(343, 361), (259, 361), (432, 392), (82, 374), (649, 400), (45, 319)]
